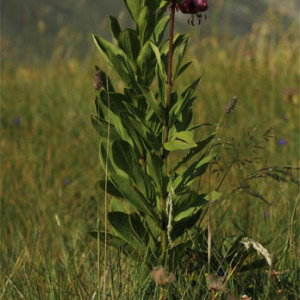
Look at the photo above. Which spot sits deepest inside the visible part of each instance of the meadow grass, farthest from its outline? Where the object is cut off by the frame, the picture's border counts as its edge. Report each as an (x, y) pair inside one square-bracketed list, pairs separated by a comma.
[(49, 165)]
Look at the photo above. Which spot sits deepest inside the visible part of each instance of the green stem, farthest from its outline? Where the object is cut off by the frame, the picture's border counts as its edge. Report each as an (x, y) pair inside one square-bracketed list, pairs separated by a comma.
[(164, 238), (169, 79)]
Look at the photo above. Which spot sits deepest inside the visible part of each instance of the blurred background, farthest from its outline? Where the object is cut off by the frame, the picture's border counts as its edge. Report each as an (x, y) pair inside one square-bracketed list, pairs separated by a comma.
[(49, 149), (38, 26)]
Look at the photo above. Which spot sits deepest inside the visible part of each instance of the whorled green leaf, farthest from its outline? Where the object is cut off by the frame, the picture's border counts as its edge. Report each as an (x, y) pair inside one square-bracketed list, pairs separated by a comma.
[(115, 27), (148, 94), (146, 64), (124, 156), (160, 64), (184, 224), (194, 151), (179, 69), (135, 197), (113, 113), (138, 227), (101, 127), (186, 177), (188, 200), (117, 60), (154, 168), (105, 155), (121, 224), (160, 29), (196, 169), (178, 40), (134, 7), (144, 183), (117, 205), (184, 103), (111, 189), (146, 24), (114, 241), (129, 43), (180, 141)]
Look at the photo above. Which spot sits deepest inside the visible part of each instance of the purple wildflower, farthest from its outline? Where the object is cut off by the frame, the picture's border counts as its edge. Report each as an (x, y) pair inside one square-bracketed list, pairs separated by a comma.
[(193, 6), (266, 214), (282, 141), (17, 122), (66, 181)]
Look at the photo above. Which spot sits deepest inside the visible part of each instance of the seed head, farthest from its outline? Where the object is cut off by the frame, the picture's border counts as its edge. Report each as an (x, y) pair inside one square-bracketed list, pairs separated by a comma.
[(97, 80), (230, 105), (216, 283), (161, 277)]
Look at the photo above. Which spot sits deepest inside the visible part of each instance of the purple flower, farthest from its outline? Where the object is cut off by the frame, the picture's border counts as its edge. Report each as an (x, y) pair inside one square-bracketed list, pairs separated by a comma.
[(266, 214), (17, 122), (282, 141), (193, 6), (66, 181)]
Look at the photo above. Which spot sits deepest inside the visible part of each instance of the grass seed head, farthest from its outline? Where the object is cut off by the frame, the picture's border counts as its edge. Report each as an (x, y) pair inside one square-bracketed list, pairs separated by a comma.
[(230, 105), (97, 80), (161, 277)]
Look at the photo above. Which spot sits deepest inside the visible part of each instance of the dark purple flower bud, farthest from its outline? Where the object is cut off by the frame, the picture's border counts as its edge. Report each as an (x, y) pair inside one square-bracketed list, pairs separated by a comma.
[(282, 141), (193, 6), (201, 5)]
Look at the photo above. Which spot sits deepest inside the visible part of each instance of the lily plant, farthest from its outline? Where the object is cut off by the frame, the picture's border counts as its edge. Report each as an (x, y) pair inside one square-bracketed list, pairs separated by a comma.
[(147, 140)]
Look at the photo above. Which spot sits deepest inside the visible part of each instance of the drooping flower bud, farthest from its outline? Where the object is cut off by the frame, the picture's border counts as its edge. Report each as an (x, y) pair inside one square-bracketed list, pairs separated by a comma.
[(201, 5), (193, 6)]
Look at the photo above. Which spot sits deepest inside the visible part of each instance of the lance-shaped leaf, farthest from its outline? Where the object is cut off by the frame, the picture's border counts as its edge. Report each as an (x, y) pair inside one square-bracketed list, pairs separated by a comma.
[(101, 127), (115, 27), (184, 103), (114, 241), (196, 169), (131, 193), (129, 43), (160, 64), (148, 94), (182, 51), (138, 228), (184, 224), (181, 70), (121, 224), (178, 40), (185, 201), (146, 24), (111, 189), (134, 7), (180, 141), (117, 60), (184, 179), (196, 150), (114, 117), (105, 155), (124, 156), (146, 64), (160, 29), (154, 168)]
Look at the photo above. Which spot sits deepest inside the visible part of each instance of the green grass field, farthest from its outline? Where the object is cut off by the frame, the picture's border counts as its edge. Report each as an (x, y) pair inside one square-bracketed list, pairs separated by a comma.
[(49, 165)]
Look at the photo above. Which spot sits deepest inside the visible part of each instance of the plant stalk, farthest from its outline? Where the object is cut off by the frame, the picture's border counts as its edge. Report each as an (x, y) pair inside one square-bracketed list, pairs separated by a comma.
[(164, 237), (169, 78)]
